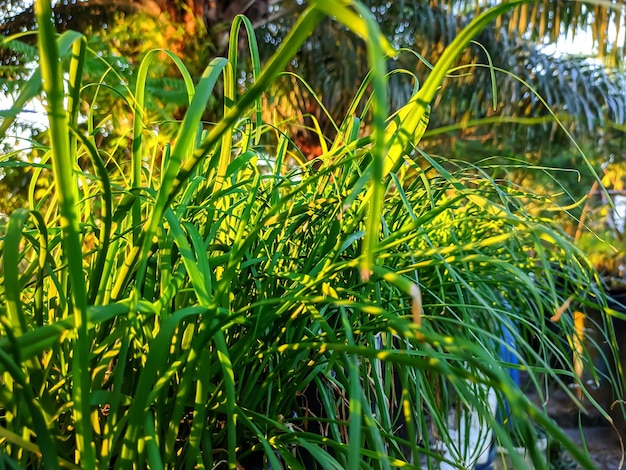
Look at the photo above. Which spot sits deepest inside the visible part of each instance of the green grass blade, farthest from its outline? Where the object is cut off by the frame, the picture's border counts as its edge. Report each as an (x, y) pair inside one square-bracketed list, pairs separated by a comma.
[(99, 279), (233, 50), (40, 427), (33, 87), (173, 177), (13, 289), (66, 186), (139, 103)]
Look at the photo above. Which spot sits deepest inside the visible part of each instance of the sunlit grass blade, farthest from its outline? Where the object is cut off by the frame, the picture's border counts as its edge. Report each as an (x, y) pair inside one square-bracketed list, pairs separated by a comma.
[(98, 281), (40, 427), (233, 58), (184, 144), (15, 316), (138, 128), (62, 166), (407, 127)]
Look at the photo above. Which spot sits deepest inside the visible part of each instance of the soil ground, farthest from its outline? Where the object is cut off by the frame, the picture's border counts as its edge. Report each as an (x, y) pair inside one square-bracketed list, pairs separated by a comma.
[(604, 449)]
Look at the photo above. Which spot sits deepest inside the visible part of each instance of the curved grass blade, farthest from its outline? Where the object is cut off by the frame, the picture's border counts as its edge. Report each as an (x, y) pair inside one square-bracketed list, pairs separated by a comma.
[(139, 102), (98, 281), (33, 86), (254, 56), (185, 143), (40, 428), (13, 289)]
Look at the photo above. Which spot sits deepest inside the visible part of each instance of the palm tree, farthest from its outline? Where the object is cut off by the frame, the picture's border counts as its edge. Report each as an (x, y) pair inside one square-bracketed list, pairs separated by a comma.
[(571, 84), (19, 16)]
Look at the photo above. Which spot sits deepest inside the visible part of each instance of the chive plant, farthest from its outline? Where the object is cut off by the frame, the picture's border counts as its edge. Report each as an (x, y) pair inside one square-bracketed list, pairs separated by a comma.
[(183, 309)]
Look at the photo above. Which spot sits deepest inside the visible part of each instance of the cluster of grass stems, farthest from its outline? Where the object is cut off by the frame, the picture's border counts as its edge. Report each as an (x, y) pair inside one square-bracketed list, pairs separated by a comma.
[(170, 310)]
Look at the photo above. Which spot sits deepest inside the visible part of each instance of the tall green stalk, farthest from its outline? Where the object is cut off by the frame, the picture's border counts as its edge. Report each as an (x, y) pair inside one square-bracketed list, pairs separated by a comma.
[(63, 163)]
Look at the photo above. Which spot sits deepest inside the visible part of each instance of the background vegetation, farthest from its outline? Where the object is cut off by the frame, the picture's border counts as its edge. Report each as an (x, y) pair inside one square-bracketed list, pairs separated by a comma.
[(185, 284), (469, 122)]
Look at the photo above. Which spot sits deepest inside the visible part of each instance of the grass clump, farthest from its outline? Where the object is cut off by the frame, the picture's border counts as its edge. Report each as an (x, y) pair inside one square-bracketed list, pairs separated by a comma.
[(185, 309)]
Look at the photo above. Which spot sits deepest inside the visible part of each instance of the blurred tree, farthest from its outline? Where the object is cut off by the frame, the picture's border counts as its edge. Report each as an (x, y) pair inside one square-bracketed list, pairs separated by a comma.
[(332, 62), (506, 73)]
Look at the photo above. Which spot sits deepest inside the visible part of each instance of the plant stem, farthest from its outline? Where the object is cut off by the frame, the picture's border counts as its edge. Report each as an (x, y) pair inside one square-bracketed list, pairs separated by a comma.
[(62, 166)]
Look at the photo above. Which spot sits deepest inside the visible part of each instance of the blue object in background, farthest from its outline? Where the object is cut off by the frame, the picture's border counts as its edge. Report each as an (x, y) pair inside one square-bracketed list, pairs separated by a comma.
[(507, 354)]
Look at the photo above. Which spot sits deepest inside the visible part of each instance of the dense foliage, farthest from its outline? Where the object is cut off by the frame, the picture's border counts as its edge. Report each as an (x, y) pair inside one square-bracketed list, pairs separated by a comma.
[(213, 299)]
